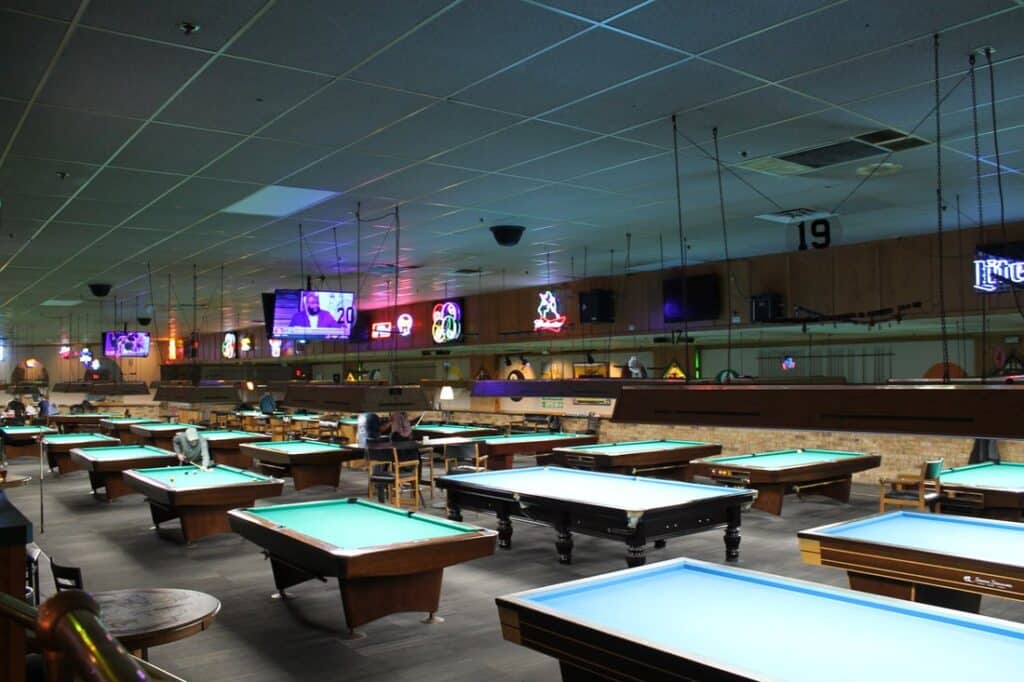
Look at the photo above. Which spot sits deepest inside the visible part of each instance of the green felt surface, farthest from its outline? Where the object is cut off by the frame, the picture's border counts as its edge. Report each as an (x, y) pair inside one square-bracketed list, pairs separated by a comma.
[(305, 417), (169, 426), (60, 438), (448, 428), (528, 437), (986, 475), (631, 447), (784, 458), (101, 415), (189, 477), (25, 430), (298, 446), (358, 524), (132, 420), (115, 452), (227, 434)]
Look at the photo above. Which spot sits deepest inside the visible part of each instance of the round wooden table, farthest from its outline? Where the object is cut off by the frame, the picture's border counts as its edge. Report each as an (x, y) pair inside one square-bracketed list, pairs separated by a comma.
[(14, 481), (144, 618)]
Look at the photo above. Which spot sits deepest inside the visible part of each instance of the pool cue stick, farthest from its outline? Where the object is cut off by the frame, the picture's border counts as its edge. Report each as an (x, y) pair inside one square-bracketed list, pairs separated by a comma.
[(42, 517)]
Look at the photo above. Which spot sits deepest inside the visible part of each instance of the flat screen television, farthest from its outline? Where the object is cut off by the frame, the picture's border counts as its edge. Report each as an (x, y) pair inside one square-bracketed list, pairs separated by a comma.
[(126, 344), (310, 314), (703, 300)]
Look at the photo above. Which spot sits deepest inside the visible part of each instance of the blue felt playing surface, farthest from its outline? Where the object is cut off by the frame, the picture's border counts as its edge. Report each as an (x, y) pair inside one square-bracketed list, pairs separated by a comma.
[(809, 632)]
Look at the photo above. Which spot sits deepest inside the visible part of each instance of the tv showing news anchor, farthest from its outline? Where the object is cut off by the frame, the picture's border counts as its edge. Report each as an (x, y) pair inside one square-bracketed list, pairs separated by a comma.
[(310, 314)]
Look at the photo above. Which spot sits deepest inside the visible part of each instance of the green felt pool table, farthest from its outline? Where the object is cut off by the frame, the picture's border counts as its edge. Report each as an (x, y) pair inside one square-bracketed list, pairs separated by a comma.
[(106, 465), (991, 489), (58, 447), (121, 427), (84, 421), (308, 462), (386, 560), (936, 559), (661, 458), (427, 430), (773, 474), (160, 434), (200, 498), (22, 441), (671, 621), (500, 450), (225, 446)]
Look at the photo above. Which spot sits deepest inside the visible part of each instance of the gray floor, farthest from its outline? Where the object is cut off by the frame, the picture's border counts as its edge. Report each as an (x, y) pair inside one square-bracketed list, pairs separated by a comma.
[(256, 638)]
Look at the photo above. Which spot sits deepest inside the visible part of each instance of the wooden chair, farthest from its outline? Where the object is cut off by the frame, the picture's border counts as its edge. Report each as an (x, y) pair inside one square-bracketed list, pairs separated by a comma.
[(277, 428), (32, 556), (921, 490), (66, 577), (464, 458), (402, 468)]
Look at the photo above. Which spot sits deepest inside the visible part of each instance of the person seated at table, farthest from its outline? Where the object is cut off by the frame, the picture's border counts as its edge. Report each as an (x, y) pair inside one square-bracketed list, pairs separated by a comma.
[(368, 428), (46, 408), (191, 448), (17, 407), (399, 426), (267, 403)]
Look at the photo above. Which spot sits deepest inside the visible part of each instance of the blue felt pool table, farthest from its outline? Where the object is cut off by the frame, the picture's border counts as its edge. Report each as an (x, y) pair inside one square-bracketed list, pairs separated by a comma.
[(931, 558), (678, 620), (633, 509)]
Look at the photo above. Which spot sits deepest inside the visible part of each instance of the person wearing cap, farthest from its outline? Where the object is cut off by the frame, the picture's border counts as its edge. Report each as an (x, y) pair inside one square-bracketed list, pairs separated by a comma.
[(191, 448)]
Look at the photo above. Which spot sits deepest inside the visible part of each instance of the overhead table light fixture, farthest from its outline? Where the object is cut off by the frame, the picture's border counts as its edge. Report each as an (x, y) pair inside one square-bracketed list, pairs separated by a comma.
[(447, 393)]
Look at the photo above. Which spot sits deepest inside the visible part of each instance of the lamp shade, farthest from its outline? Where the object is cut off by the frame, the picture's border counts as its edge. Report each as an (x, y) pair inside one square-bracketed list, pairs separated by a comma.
[(447, 393)]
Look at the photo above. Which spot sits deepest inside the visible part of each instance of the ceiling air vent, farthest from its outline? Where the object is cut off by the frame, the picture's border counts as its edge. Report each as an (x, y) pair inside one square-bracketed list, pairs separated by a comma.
[(794, 215), (830, 155), (773, 166), (468, 271)]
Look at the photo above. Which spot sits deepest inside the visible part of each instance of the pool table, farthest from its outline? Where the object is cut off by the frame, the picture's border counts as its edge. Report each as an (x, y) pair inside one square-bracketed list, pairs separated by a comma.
[(200, 498), (627, 508), (936, 559), (501, 450), (661, 458), (429, 430), (22, 441), (671, 621), (386, 560), (773, 474), (225, 446), (990, 489), (72, 423), (160, 434), (121, 427), (58, 446), (105, 465), (308, 462)]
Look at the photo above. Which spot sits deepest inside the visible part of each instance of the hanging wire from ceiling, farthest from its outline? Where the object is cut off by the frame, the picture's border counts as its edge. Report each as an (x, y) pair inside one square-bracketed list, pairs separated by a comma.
[(972, 62), (394, 302), (939, 208), (683, 246), (725, 247), (154, 318), (962, 336)]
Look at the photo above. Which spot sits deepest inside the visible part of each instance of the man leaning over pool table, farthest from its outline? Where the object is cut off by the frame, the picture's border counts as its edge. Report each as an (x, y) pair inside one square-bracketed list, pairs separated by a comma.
[(191, 448)]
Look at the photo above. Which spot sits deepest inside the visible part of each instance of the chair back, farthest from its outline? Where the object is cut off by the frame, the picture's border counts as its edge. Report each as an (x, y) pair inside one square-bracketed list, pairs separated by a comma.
[(931, 469), (66, 577)]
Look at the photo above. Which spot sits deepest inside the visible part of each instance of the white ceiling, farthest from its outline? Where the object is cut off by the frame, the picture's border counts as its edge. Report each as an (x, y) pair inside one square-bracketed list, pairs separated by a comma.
[(554, 115)]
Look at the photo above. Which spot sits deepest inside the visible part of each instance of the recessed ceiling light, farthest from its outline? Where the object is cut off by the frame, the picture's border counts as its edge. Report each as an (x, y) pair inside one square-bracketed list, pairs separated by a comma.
[(188, 28), (60, 302), (279, 201), (879, 169)]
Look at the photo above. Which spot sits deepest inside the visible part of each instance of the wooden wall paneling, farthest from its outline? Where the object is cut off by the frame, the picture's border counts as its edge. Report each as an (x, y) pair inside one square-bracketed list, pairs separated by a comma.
[(811, 280), (855, 278)]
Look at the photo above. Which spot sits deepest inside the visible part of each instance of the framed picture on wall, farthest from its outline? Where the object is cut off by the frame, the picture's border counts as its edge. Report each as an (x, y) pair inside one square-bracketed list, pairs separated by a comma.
[(590, 370)]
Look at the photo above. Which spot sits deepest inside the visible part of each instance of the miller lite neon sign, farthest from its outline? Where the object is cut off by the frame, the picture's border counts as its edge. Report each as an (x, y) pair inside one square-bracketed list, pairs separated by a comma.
[(997, 274)]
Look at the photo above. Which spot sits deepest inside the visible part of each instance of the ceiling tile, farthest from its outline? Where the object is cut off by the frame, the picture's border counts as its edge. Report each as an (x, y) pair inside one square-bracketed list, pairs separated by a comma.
[(678, 88), (159, 20), (598, 10), (586, 158), (57, 242), (266, 161), (30, 43), (167, 217), (459, 47), (343, 113), (832, 125), (696, 27), (330, 36), (561, 203), (240, 96), (344, 171), (10, 112), (517, 144), (852, 29), (112, 74), (435, 130), (41, 176), (206, 193), (416, 182), (60, 9), (591, 62), (174, 149), (29, 207), (487, 189), (71, 135), (225, 225), (105, 213), (120, 185)]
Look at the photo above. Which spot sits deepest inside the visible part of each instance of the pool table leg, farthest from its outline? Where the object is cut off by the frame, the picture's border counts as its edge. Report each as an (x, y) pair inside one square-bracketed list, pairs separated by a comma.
[(732, 534), (769, 497), (367, 599), (636, 551), (505, 531), (563, 543), (454, 513)]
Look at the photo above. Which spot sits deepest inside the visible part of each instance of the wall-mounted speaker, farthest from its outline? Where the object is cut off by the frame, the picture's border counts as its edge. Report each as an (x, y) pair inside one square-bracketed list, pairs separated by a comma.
[(597, 305)]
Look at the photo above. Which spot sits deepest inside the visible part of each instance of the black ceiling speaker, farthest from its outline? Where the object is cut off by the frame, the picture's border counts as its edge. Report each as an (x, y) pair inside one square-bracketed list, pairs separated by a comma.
[(143, 321), (507, 235), (99, 290)]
